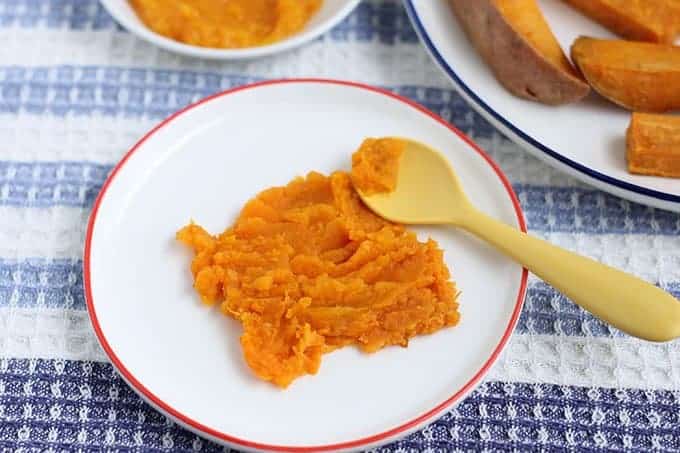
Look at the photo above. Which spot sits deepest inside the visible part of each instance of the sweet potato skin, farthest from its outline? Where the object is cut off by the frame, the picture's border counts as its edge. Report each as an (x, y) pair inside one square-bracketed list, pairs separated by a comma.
[(638, 20), (653, 145), (548, 79), (635, 75)]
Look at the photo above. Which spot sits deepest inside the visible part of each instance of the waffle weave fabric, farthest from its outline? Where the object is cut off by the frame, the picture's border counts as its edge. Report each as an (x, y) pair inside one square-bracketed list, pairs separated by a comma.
[(76, 91)]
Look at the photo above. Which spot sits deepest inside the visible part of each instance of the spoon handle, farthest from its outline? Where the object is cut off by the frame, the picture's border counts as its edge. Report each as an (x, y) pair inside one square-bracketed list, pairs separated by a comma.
[(624, 301)]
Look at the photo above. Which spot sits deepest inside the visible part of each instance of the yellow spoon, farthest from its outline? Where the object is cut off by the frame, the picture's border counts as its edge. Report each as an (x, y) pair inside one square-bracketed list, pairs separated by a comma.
[(428, 192)]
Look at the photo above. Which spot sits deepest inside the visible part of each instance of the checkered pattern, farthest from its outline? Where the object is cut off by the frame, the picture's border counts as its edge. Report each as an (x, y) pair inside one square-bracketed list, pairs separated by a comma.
[(76, 91)]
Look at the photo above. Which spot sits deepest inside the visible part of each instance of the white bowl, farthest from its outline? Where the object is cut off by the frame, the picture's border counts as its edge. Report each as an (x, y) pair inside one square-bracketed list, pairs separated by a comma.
[(329, 15)]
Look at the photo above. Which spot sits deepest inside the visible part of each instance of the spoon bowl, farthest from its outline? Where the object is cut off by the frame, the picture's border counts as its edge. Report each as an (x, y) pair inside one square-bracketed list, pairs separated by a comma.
[(428, 190)]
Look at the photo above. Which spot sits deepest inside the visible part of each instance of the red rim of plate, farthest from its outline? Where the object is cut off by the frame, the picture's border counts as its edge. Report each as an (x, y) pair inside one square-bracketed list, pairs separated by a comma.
[(357, 443)]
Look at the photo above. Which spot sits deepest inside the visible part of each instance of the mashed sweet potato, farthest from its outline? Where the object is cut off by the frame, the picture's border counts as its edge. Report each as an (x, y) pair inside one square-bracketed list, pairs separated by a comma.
[(226, 23), (307, 268), (375, 166)]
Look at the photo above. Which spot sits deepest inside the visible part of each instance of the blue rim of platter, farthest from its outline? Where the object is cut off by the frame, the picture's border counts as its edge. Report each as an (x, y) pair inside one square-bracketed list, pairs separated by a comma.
[(527, 139)]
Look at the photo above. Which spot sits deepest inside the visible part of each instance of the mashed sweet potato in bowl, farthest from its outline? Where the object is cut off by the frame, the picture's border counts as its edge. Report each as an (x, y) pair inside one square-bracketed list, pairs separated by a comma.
[(226, 23), (228, 29)]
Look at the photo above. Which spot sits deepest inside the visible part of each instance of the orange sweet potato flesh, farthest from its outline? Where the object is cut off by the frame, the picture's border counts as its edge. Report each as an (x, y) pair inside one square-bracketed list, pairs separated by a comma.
[(636, 75), (226, 24), (307, 268), (653, 145), (638, 20), (516, 42), (375, 166)]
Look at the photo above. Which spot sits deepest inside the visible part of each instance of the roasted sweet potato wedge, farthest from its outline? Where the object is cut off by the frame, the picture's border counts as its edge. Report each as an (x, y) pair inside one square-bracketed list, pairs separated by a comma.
[(653, 145), (636, 75), (638, 20), (514, 39)]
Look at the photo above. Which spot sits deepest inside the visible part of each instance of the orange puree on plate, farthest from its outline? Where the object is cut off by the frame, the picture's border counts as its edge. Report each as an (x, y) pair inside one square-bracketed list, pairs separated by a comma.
[(226, 23), (375, 166), (307, 268)]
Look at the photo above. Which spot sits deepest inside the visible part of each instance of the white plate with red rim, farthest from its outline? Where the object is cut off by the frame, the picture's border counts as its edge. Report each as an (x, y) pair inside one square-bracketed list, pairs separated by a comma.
[(184, 358), (331, 13), (585, 140)]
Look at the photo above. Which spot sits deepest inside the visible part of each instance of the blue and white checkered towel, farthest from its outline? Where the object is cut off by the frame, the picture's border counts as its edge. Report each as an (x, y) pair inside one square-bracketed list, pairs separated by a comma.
[(76, 91)]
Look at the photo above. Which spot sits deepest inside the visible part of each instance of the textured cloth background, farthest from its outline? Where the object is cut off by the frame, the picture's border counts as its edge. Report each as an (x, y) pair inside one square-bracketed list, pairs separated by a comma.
[(76, 92)]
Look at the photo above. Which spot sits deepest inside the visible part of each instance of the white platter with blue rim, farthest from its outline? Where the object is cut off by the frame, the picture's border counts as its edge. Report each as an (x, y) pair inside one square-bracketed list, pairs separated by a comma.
[(585, 140)]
